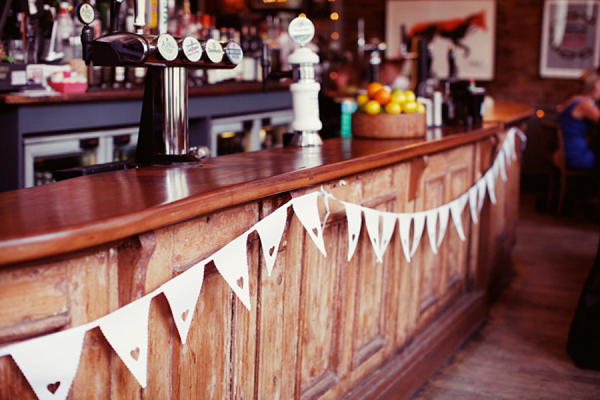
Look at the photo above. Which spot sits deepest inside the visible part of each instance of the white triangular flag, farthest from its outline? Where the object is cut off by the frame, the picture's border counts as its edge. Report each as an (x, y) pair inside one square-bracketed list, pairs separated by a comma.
[(507, 153), (510, 138), (419, 219), (501, 165), (50, 362), (443, 213), (307, 212), (491, 183), (432, 216), (232, 263), (473, 203), (481, 189), (270, 229), (182, 294), (354, 217), (126, 329), (456, 209), (372, 222), (404, 221), (387, 229)]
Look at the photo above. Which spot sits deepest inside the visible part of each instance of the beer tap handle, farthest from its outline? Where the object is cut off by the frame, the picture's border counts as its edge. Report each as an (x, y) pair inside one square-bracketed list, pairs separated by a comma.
[(115, 8), (86, 15)]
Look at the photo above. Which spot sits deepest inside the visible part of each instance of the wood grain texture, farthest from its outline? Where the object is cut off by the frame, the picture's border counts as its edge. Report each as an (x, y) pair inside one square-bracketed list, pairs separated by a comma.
[(521, 352), (319, 327), (91, 210)]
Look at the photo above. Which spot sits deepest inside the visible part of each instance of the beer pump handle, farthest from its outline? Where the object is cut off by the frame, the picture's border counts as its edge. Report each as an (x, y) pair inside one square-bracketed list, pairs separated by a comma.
[(86, 15), (139, 15), (115, 8)]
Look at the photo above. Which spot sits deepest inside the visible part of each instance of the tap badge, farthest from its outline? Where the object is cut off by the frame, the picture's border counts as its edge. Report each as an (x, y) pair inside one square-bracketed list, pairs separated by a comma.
[(234, 52), (301, 30), (192, 49), (167, 47), (85, 13), (214, 50)]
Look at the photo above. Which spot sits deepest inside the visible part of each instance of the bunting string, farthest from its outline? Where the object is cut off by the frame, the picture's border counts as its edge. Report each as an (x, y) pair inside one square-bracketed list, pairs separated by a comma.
[(49, 362)]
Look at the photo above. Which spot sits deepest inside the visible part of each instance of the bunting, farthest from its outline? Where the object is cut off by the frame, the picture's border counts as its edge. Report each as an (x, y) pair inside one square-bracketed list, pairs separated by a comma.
[(182, 293), (49, 363)]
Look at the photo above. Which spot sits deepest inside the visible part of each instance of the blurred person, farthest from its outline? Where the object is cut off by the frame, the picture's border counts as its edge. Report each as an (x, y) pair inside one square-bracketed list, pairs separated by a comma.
[(578, 118)]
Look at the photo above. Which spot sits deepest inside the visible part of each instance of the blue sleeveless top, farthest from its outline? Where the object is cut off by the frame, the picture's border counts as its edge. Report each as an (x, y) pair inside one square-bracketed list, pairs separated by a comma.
[(578, 154)]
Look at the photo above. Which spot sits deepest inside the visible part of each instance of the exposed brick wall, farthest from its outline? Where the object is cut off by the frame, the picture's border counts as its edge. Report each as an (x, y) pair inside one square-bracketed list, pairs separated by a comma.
[(518, 37)]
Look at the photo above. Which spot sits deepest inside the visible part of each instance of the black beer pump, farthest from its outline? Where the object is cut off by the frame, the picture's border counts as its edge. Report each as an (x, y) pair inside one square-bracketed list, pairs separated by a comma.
[(163, 135)]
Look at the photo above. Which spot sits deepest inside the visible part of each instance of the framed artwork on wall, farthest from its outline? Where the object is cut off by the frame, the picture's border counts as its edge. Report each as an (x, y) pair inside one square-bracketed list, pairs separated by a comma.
[(467, 26), (570, 38)]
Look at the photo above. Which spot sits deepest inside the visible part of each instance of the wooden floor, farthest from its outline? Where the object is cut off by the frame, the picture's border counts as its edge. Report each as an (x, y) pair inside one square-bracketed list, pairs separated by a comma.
[(521, 352)]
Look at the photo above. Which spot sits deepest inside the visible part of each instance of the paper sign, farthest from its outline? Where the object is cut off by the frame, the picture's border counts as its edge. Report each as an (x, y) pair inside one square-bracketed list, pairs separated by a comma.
[(432, 216), (127, 332), (182, 294), (372, 222), (501, 165), (270, 230), (473, 203), (50, 362), (232, 263), (490, 181), (307, 212), (456, 209), (387, 230), (481, 189), (443, 213), (404, 221), (354, 217), (419, 221)]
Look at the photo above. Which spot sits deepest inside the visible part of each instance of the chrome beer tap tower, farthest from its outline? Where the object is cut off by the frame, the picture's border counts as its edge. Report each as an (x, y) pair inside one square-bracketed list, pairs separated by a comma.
[(163, 135)]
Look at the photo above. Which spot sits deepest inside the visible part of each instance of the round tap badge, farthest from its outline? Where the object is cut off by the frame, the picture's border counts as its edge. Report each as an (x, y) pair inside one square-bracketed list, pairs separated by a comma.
[(301, 30), (234, 52), (192, 49), (85, 13), (214, 50), (167, 47)]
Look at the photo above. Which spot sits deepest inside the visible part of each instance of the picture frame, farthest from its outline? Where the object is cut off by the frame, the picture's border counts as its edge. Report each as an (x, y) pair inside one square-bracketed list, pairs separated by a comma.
[(570, 40), (468, 26)]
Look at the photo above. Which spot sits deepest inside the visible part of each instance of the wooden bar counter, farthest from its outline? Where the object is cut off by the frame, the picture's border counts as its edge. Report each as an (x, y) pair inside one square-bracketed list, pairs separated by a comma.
[(74, 251)]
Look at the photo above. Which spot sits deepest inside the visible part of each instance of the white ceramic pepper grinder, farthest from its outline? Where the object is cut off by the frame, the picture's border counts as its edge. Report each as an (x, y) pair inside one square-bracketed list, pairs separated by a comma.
[(305, 90)]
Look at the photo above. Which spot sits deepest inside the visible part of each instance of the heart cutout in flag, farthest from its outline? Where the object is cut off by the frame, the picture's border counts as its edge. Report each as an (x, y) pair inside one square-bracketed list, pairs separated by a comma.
[(270, 230), (126, 329), (305, 208), (354, 217), (232, 263), (182, 293), (49, 363)]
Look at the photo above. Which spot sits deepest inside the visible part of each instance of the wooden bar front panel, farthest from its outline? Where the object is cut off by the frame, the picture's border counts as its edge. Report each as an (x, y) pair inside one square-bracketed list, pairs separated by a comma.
[(318, 327)]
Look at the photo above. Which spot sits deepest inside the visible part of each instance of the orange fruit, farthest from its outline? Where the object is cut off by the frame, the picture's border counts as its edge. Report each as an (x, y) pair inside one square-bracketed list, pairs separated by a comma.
[(393, 108), (372, 107), (382, 96), (373, 88)]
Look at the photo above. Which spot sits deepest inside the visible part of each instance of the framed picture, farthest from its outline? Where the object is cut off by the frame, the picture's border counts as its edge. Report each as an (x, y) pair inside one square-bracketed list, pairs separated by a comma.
[(570, 38), (467, 26)]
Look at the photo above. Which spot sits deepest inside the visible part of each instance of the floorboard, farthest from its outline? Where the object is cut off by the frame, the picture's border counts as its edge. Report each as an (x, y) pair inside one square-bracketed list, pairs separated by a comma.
[(520, 353)]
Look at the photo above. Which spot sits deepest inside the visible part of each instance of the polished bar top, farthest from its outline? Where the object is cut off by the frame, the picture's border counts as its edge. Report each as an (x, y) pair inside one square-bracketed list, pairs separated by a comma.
[(91, 210)]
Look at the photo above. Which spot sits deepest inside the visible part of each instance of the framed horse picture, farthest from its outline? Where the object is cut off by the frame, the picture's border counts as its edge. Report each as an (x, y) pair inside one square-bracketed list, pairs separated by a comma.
[(570, 38), (463, 29)]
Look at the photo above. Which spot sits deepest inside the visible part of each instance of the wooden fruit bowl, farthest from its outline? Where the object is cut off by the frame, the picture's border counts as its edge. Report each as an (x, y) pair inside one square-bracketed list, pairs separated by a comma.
[(388, 126)]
